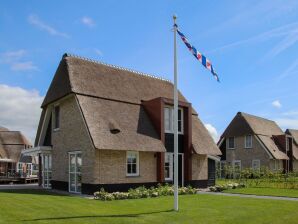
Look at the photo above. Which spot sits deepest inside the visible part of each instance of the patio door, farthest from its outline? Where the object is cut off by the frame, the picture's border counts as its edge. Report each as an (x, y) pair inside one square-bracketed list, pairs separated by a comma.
[(75, 169), (169, 168), (46, 170)]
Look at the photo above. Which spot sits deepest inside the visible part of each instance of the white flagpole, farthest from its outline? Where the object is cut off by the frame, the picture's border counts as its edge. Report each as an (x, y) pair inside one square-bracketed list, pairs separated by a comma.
[(175, 121)]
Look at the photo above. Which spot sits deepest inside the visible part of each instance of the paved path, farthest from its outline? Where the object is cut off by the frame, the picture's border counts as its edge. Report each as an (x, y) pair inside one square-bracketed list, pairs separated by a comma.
[(19, 186), (250, 196)]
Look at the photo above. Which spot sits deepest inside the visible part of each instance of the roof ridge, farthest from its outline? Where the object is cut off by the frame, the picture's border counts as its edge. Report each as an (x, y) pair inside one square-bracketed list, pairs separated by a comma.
[(258, 117), (117, 67)]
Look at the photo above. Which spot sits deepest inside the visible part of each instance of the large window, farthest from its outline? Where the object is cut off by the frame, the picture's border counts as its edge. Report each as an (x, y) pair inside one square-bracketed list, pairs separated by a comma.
[(169, 120), (132, 163), (75, 172), (56, 113), (248, 141), (231, 143)]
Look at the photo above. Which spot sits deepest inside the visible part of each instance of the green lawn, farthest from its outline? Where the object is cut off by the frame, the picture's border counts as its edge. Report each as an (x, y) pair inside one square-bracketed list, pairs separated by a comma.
[(40, 207), (265, 191)]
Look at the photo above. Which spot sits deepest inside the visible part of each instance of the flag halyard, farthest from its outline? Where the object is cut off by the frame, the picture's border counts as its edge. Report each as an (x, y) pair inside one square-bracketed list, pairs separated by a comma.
[(199, 56)]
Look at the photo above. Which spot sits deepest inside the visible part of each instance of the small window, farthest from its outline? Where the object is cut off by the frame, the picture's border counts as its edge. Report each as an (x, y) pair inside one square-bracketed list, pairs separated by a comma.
[(287, 144), (168, 119), (256, 164), (237, 165), (132, 163), (56, 117), (168, 166), (248, 142), (231, 143)]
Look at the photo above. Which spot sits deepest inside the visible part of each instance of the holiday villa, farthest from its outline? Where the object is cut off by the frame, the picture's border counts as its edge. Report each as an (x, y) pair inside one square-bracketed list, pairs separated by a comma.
[(14, 167), (106, 126), (254, 142)]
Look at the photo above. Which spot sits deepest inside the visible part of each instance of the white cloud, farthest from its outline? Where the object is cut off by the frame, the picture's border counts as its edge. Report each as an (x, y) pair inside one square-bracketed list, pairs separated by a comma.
[(289, 32), (98, 52), (15, 59), (276, 104), (292, 69), (23, 66), (285, 123), (88, 21), (20, 109), (212, 131), (34, 20)]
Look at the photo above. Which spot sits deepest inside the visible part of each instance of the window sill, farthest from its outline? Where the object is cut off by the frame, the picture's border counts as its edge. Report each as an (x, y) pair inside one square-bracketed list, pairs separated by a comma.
[(231, 148), (56, 129), (132, 175)]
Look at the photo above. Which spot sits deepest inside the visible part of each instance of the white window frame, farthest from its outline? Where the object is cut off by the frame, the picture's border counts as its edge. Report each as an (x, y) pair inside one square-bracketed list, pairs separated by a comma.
[(54, 117), (135, 153), (171, 116), (46, 170), (237, 161), (227, 143), (252, 164), (75, 172), (170, 157), (245, 141)]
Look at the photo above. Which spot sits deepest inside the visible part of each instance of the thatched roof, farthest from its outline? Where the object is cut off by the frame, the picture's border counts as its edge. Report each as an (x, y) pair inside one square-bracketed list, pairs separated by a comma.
[(294, 134), (3, 129), (111, 98), (12, 143), (136, 131), (201, 140), (83, 76), (245, 124)]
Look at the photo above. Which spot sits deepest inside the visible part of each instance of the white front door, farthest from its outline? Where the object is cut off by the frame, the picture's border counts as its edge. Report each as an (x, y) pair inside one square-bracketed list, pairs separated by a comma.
[(75, 175)]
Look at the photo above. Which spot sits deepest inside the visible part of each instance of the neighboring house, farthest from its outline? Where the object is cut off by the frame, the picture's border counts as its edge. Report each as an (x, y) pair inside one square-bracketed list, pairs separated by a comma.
[(12, 163), (106, 126), (294, 134), (253, 142)]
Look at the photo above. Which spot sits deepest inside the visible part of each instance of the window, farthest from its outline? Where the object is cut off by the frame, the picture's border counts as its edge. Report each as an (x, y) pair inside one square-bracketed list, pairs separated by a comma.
[(132, 163), (75, 172), (56, 117), (287, 144), (168, 166), (231, 143), (248, 142), (46, 170), (169, 120), (256, 164)]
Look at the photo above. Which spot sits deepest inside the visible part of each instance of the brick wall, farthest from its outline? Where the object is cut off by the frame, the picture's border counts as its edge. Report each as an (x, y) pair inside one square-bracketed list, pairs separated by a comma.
[(111, 167), (199, 167), (72, 136), (247, 155)]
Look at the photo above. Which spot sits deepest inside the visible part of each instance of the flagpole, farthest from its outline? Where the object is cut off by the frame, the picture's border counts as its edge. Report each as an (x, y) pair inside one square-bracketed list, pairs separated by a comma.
[(175, 121)]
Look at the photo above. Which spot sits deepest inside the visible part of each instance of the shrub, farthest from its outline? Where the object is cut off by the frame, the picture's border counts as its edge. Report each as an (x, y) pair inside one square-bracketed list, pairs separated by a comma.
[(220, 188), (143, 192)]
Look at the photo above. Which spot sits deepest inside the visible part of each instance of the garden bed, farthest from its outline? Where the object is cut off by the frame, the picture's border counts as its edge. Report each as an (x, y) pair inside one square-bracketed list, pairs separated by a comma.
[(143, 192)]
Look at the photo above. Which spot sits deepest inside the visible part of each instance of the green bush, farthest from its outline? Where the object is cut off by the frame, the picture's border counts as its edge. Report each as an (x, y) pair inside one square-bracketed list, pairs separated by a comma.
[(222, 187), (143, 192)]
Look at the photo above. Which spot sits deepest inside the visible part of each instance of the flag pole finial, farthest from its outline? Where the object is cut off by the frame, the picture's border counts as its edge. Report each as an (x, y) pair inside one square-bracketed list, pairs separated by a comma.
[(174, 18)]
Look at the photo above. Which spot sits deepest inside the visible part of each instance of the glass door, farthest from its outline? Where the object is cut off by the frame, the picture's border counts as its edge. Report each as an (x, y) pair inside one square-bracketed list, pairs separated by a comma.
[(75, 172), (46, 170)]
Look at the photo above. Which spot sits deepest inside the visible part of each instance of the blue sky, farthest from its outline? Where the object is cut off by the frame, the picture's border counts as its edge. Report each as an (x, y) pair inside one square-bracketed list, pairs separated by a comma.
[(252, 44)]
